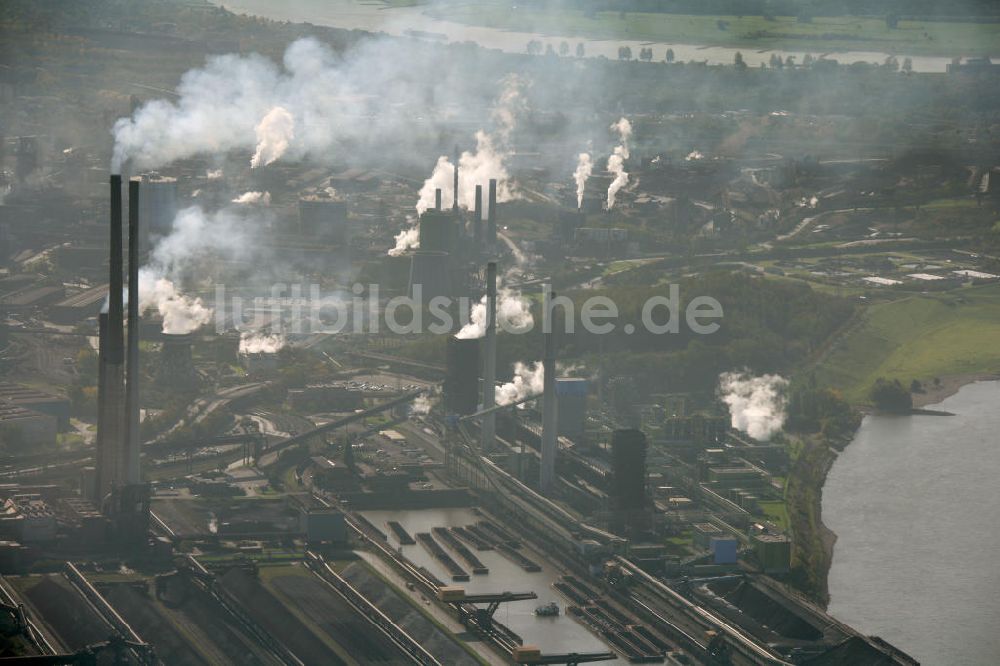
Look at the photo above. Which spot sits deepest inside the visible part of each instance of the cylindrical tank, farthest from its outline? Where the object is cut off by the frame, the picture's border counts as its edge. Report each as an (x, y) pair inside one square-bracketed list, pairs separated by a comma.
[(628, 467), (461, 384)]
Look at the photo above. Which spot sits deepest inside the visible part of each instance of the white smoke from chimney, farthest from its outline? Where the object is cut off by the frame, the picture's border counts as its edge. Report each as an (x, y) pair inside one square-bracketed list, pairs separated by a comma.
[(513, 315), (181, 314), (584, 167), (254, 197), (616, 162), (274, 132), (407, 239), (528, 381), (756, 404), (474, 168), (214, 174), (195, 238), (421, 405), (693, 156), (255, 342)]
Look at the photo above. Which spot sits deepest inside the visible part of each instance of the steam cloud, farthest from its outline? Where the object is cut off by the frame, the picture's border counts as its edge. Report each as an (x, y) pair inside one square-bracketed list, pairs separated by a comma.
[(194, 234), (584, 167), (756, 404), (616, 162), (261, 343), (262, 198), (274, 133), (407, 239), (528, 381), (488, 160), (513, 315), (421, 405)]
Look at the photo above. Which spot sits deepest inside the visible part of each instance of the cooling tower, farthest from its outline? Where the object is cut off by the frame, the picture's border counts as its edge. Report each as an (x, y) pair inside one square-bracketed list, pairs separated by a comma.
[(461, 383), (437, 231), (158, 207)]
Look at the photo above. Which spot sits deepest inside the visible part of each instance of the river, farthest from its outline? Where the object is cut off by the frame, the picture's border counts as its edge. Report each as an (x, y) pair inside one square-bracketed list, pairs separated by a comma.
[(915, 506), (376, 17)]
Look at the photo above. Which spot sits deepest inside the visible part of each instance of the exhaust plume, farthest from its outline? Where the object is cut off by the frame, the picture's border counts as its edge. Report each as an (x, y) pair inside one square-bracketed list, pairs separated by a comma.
[(421, 405), (262, 198), (180, 313), (528, 381), (616, 162), (274, 133), (756, 404), (584, 167), (261, 343), (513, 315), (407, 239)]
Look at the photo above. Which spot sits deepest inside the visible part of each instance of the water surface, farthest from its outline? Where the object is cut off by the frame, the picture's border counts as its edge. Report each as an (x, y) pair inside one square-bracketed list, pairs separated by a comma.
[(915, 504)]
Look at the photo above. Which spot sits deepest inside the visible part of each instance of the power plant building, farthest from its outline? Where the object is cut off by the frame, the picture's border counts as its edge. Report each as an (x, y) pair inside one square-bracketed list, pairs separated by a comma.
[(628, 478), (571, 396)]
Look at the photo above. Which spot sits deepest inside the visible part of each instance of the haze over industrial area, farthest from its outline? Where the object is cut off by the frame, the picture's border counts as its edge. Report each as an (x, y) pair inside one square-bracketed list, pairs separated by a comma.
[(341, 332)]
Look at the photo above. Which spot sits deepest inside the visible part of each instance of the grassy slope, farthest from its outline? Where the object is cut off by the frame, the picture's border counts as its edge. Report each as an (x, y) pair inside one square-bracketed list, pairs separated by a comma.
[(841, 33), (918, 337)]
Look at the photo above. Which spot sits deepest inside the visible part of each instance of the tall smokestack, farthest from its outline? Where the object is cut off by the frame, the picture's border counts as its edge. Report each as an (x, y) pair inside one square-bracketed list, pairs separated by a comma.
[(477, 220), (111, 378), (454, 205), (437, 199), (132, 469), (547, 472), (490, 367), (491, 222), (116, 307)]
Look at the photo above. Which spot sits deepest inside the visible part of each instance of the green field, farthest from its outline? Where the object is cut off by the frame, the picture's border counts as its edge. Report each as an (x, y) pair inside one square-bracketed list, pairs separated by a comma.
[(918, 337), (821, 35)]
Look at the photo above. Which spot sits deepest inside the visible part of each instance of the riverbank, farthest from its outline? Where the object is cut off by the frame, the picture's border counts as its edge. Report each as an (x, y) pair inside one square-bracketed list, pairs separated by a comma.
[(812, 541)]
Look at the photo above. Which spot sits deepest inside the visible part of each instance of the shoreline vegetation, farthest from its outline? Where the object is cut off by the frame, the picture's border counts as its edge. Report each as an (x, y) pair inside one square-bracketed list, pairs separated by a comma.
[(813, 543), (822, 34)]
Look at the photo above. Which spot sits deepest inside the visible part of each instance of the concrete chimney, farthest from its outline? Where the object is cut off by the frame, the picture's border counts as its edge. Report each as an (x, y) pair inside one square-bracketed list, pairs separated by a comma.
[(132, 453), (491, 212), (477, 221), (490, 366), (437, 199), (454, 205), (111, 377), (550, 422)]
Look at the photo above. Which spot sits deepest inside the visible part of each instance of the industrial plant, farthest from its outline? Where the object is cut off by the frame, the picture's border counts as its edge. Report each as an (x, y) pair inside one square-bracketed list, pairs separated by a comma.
[(326, 342)]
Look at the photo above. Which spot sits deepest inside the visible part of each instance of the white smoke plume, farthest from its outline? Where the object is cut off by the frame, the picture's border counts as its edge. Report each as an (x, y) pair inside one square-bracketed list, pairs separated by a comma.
[(180, 313), (474, 168), (513, 315), (528, 381), (195, 237), (584, 167), (274, 132), (421, 405), (254, 197), (261, 343), (407, 239), (488, 160), (756, 404), (694, 155), (214, 174), (616, 162)]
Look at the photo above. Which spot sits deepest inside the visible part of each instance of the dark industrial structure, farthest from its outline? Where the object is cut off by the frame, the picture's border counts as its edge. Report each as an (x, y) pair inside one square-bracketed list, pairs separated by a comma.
[(461, 384), (628, 486)]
